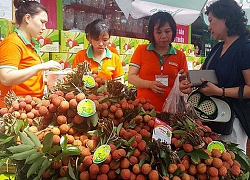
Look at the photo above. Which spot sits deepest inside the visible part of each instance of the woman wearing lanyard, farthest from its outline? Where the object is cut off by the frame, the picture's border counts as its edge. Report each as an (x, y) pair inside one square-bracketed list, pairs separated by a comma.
[(154, 66), (21, 67)]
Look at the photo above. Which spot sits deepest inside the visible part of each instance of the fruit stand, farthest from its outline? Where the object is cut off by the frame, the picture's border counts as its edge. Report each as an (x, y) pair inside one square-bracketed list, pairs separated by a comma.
[(90, 128)]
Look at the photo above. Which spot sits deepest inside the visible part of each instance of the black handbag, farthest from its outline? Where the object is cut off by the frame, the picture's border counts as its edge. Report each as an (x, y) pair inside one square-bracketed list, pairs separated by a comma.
[(241, 107)]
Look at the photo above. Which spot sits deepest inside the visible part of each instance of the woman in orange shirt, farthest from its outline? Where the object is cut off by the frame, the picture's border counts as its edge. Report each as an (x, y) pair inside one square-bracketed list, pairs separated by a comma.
[(21, 67), (154, 66), (100, 58)]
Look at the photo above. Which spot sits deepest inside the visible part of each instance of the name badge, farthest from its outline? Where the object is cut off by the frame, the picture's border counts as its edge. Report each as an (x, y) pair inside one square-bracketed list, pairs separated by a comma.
[(111, 68), (162, 78)]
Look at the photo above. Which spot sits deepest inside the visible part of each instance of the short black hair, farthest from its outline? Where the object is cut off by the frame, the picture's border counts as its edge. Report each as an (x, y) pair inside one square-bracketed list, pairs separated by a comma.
[(162, 18), (95, 28), (232, 13)]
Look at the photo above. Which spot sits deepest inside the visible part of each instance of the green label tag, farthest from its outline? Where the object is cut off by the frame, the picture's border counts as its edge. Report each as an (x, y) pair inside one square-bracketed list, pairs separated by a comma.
[(89, 81), (216, 145), (101, 154), (86, 108)]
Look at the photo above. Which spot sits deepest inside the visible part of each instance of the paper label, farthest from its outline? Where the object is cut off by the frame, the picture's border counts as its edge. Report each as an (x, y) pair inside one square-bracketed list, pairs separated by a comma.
[(101, 154), (163, 79)]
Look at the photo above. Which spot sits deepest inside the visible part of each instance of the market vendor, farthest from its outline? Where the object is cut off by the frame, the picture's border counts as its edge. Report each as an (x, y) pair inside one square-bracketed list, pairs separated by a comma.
[(154, 66), (88, 29), (101, 59), (21, 67)]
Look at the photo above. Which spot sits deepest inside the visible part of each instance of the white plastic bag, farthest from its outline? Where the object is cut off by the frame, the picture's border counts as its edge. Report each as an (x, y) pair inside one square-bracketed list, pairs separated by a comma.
[(175, 101)]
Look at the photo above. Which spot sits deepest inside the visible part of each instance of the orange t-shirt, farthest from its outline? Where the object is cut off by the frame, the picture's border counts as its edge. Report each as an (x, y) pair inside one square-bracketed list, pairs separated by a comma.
[(148, 62), (16, 52), (109, 68)]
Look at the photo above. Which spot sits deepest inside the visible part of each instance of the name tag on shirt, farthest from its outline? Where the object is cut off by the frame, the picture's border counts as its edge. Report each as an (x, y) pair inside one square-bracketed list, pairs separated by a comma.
[(111, 68), (162, 78)]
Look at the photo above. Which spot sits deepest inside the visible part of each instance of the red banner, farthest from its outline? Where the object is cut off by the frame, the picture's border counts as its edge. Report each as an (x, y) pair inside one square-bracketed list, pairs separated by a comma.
[(182, 34)]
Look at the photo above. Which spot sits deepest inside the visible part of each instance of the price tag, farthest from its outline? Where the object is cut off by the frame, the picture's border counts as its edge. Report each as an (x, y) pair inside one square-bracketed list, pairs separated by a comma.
[(89, 81), (86, 108), (101, 154)]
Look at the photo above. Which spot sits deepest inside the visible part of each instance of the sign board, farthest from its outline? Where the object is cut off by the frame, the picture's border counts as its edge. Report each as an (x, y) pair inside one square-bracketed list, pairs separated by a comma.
[(6, 9)]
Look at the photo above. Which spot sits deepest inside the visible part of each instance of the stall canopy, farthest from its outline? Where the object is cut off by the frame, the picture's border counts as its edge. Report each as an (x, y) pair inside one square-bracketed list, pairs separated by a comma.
[(185, 12)]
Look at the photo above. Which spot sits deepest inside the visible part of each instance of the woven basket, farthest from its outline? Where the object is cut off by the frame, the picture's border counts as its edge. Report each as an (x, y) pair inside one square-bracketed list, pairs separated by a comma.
[(10, 168), (248, 148)]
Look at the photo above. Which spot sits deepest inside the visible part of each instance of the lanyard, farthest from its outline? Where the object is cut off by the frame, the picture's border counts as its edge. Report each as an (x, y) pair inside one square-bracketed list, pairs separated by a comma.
[(163, 62)]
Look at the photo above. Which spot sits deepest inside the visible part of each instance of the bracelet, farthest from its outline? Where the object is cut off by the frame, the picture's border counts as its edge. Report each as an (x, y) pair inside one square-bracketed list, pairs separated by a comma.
[(223, 93)]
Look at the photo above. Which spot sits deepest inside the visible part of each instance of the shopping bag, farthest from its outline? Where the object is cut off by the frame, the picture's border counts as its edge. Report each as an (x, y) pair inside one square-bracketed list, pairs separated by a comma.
[(175, 102)]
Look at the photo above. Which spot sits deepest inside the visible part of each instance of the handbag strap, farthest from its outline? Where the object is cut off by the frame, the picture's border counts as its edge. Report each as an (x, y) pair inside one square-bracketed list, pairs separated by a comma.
[(211, 57), (241, 92)]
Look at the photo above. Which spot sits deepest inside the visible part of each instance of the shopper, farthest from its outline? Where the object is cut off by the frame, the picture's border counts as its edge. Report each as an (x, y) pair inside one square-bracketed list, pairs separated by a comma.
[(101, 59), (154, 66), (228, 24), (197, 50), (21, 67)]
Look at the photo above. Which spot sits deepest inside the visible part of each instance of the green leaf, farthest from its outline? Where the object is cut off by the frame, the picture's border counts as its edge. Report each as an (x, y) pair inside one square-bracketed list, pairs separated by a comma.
[(179, 132), (73, 149), (142, 111), (18, 125), (131, 141), (33, 157), (19, 148), (246, 176), (63, 142), (3, 161), (119, 128), (3, 136), (93, 119), (55, 149), (7, 140), (194, 158), (103, 99), (181, 153), (25, 139), (243, 160), (23, 155), (93, 133), (35, 166), (71, 172), (34, 139), (70, 151), (152, 113), (164, 169), (47, 142), (142, 161), (45, 166), (200, 153), (4, 154)]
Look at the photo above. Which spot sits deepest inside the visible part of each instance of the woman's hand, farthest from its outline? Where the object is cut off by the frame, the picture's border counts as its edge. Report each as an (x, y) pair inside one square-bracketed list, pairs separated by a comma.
[(210, 89), (50, 65), (157, 87), (185, 86)]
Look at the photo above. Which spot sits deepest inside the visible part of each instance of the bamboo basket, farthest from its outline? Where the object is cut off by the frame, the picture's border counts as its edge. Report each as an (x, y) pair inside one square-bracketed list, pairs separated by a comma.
[(248, 148)]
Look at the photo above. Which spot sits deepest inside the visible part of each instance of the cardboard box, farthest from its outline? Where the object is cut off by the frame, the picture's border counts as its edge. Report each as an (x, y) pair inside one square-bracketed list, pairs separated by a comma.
[(45, 56), (49, 41), (140, 41), (125, 59), (71, 42), (114, 41), (6, 27), (65, 59), (127, 45)]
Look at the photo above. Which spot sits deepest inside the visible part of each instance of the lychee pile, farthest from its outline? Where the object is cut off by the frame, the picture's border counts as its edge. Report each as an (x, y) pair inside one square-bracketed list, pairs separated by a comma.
[(126, 125)]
